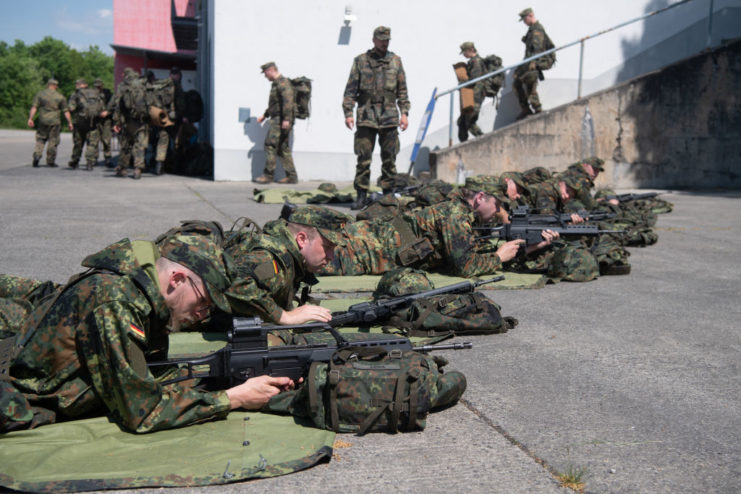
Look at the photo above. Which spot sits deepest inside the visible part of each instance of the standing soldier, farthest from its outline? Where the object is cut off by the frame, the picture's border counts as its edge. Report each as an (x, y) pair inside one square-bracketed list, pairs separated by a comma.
[(474, 68), (378, 85), (526, 76), (87, 106), (49, 104), (130, 113), (104, 124), (280, 111)]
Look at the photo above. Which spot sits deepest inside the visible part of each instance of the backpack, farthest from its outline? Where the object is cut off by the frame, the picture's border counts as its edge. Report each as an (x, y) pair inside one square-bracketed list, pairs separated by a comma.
[(161, 93), (211, 229), (90, 102), (193, 106), (492, 85), (367, 389), (134, 98), (547, 61), (301, 97)]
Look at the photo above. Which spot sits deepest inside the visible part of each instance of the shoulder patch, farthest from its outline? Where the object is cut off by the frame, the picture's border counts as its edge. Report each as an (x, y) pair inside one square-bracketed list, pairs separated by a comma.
[(266, 270), (137, 332)]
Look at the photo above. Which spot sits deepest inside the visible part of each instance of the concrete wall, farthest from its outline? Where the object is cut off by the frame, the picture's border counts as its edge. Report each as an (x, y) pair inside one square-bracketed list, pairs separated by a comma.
[(678, 127), (313, 39)]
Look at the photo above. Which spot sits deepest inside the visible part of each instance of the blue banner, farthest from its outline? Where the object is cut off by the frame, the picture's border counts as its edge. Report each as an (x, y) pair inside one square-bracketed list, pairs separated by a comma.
[(422, 132)]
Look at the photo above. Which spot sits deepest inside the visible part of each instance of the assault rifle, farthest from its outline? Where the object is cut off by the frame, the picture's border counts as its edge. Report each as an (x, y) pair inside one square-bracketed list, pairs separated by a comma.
[(630, 196), (247, 353), (530, 228), (523, 213)]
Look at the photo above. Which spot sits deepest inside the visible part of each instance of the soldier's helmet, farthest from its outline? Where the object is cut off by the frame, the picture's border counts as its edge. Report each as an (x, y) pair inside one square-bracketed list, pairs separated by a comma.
[(329, 222), (81, 82), (382, 33), (468, 45), (205, 258), (402, 281)]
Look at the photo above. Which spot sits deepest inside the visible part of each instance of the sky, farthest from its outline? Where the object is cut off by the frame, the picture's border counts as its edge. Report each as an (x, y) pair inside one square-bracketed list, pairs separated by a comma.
[(79, 23)]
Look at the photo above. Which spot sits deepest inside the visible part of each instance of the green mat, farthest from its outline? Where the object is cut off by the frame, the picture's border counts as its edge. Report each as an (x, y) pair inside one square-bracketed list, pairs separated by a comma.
[(337, 286), (95, 454), (280, 195)]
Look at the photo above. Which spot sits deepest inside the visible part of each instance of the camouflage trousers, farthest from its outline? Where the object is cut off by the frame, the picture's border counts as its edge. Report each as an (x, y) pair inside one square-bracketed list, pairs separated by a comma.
[(105, 131), (278, 145), (526, 85), (467, 124), (370, 248), (162, 137), (49, 135), (133, 139), (365, 142), (85, 133)]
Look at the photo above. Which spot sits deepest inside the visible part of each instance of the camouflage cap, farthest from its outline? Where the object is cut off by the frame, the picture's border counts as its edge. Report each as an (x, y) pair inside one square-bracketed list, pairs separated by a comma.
[(382, 33), (570, 180), (328, 187), (52, 81), (98, 82), (81, 81), (328, 221), (525, 13), (488, 184), (206, 259), (266, 66), (468, 45), (597, 163), (516, 177), (402, 281)]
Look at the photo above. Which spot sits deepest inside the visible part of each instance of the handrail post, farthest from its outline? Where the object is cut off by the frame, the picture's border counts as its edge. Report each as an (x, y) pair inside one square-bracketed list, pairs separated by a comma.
[(450, 122), (581, 66)]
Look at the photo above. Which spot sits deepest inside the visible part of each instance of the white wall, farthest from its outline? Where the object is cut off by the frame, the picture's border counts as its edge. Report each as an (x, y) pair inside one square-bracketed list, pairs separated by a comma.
[(310, 38)]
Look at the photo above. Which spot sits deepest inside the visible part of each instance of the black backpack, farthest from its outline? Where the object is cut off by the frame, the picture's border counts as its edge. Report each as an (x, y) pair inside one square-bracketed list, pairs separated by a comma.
[(301, 97), (492, 85)]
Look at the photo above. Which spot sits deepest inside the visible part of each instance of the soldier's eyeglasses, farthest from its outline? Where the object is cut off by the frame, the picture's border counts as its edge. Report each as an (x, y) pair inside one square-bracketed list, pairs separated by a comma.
[(204, 308)]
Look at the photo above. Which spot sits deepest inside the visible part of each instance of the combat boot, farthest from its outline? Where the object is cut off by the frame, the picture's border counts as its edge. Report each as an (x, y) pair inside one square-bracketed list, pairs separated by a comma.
[(158, 168), (263, 179), (137, 173), (35, 162), (108, 163), (73, 164), (52, 165), (120, 171), (89, 166), (360, 201)]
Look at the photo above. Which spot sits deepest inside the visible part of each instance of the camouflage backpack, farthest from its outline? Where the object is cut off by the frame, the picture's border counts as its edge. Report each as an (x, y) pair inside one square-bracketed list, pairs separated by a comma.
[(365, 389), (547, 61), (492, 85), (211, 229), (160, 93), (536, 175), (301, 97), (90, 102), (439, 315), (134, 98)]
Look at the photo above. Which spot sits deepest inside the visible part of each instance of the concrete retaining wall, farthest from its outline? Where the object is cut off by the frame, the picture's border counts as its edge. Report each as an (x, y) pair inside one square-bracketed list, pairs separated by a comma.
[(677, 127)]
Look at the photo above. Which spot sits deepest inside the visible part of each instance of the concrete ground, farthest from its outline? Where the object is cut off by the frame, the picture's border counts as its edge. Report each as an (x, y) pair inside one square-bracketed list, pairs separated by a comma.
[(633, 378)]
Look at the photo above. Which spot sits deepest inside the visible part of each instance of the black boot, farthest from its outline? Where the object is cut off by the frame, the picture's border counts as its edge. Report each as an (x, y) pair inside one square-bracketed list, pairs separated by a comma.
[(158, 168), (108, 163), (360, 201), (35, 162)]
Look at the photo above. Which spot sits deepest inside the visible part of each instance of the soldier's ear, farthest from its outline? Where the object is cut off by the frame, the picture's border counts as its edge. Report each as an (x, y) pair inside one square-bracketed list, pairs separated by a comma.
[(176, 279), (301, 239)]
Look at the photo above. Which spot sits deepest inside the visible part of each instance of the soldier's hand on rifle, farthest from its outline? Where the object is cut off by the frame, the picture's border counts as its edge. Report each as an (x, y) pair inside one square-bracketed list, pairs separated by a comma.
[(508, 250), (350, 123), (548, 237), (576, 219), (404, 122), (304, 314), (255, 392)]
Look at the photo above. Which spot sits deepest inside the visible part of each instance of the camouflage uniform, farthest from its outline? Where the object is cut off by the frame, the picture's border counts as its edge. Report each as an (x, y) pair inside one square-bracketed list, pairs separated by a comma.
[(50, 104), (467, 120), (278, 140), (134, 129), (377, 84), (439, 237), (269, 269), (87, 347), (526, 76), (105, 123), (85, 131)]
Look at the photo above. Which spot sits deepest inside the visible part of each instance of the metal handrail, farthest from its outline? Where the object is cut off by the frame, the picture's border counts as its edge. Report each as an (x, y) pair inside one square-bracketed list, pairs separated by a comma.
[(558, 48)]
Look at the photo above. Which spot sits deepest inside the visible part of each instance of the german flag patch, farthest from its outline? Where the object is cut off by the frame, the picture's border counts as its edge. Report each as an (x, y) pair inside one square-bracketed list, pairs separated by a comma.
[(137, 331), (275, 266)]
